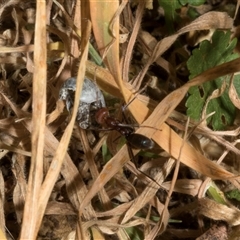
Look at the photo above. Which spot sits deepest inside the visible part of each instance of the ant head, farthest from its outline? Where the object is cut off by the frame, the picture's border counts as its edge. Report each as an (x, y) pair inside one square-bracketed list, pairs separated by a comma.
[(101, 115)]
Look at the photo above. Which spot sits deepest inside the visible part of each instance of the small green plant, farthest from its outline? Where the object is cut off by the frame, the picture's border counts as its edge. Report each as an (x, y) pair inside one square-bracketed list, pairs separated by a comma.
[(233, 194), (208, 55), (170, 9)]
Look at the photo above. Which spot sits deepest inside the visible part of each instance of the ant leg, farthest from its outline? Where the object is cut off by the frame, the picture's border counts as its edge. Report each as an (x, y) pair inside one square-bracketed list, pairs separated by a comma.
[(137, 172)]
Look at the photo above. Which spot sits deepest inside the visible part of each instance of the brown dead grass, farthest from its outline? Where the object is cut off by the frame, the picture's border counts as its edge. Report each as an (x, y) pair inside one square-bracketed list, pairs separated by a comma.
[(54, 183)]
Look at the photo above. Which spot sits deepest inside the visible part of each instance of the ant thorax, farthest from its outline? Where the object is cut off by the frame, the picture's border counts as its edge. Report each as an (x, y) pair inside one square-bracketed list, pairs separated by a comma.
[(90, 101)]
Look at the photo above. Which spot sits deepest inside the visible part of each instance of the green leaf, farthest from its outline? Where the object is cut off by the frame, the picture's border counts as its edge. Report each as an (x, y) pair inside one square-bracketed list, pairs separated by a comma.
[(234, 194), (192, 2), (134, 233), (216, 194), (170, 7), (106, 153), (208, 55), (192, 13), (183, 2), (170, 13)]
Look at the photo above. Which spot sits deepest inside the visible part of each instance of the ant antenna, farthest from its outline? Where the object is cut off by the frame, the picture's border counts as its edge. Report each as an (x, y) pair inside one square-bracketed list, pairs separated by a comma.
[(136, 94)]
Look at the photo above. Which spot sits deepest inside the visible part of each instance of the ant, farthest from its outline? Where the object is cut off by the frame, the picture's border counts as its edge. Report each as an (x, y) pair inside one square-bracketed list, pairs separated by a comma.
[(136, 140), (89, 105)]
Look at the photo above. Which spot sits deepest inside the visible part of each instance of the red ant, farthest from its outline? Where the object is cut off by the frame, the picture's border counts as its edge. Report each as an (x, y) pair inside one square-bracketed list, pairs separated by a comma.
[(89, 93), (136, 140)]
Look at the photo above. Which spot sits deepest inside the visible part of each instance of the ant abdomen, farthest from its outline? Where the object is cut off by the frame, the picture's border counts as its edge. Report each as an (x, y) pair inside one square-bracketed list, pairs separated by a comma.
[(139, 141)]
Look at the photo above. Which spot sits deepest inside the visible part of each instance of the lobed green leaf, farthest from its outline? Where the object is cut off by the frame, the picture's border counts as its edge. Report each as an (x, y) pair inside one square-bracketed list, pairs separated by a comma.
[(208, 55)]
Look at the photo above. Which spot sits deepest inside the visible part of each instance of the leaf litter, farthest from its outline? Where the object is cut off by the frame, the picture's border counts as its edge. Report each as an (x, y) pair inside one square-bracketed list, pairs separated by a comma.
[(56, 181)]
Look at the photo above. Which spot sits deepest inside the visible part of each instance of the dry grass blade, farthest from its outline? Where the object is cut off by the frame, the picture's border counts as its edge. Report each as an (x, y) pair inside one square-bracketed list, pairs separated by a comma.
[(186, 186), (2, 202), (104, 79), (106, 31), (31, 215), (233, 94), (132, 40), (216, 211), (57, 161), (27, 48), (19, 194)]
